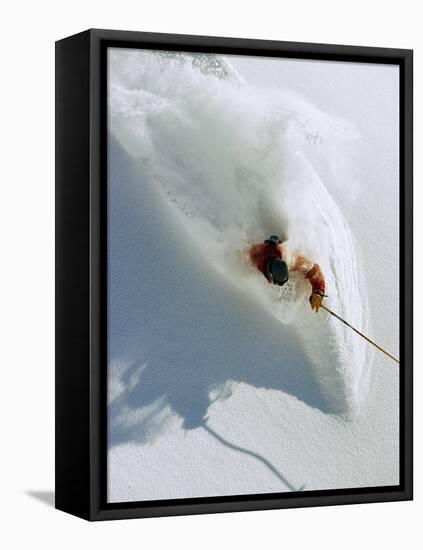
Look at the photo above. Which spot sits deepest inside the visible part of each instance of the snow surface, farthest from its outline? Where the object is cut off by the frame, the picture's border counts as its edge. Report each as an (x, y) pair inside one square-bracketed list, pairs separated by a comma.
[(215, 388)]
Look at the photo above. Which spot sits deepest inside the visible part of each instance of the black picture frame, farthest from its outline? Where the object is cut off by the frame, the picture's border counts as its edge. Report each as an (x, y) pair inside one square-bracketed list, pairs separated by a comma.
[(81, 277)]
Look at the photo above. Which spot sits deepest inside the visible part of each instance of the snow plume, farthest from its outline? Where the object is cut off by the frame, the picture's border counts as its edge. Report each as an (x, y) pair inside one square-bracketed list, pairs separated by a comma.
[(235, 164)]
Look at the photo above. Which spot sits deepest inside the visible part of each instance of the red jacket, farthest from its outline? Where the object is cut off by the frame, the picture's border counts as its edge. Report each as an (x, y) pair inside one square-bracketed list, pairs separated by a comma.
[(261, 253)]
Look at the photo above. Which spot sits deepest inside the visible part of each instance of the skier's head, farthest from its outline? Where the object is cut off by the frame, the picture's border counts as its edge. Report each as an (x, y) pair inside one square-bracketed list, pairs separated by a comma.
[(273, 240), (277, 271)]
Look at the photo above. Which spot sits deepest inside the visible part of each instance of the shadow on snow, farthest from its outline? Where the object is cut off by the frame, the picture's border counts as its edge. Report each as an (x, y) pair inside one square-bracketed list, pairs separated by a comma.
[(180, 329)]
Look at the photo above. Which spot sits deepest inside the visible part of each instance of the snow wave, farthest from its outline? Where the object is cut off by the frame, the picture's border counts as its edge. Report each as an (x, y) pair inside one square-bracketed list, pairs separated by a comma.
[(234, 164)]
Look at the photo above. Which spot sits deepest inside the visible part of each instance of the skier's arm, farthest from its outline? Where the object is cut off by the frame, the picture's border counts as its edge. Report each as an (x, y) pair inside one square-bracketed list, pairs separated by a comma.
[(314, 274)]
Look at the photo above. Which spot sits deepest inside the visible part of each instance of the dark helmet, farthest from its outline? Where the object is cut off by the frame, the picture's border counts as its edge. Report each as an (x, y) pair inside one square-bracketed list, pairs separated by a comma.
[(277, 271), (273, 240), (276, 268)]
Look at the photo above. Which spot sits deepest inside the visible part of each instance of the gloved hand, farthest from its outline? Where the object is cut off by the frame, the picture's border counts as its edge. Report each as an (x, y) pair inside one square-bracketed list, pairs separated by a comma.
[(316, 300)]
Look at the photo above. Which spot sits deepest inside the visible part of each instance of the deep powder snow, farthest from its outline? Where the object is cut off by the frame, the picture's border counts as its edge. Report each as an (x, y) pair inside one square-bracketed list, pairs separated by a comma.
[(218, 383)]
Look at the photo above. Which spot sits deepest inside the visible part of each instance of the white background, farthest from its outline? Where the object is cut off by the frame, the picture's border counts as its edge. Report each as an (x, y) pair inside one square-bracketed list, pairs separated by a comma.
[(29, 30)]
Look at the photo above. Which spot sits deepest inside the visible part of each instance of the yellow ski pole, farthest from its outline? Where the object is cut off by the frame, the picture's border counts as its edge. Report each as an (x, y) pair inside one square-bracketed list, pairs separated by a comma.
[(360, 333)]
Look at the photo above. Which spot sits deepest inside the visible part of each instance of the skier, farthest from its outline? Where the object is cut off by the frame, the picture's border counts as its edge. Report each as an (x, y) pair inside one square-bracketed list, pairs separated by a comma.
[(269, 256)]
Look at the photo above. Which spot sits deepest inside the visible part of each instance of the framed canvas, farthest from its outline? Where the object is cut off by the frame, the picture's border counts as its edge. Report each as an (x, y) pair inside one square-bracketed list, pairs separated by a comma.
[(233, 274)]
